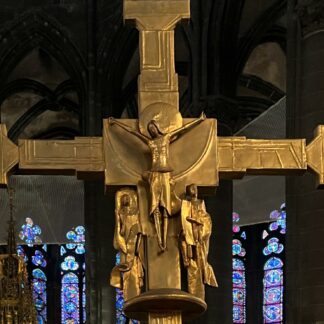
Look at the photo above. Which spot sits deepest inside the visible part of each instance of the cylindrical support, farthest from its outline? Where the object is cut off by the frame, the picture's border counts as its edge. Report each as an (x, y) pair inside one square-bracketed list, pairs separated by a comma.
[(305, 205), (167, 318)]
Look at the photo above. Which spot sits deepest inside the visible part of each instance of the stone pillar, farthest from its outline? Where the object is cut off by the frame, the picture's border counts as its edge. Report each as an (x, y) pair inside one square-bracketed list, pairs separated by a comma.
[(100, 254), (305, 204)]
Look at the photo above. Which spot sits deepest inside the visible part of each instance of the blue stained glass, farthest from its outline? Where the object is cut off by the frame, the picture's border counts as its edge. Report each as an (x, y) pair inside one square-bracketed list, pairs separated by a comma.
[(238, 314), (39, 286), (238, 279), (38, 259), (238, 275), (84, 300), (45, 247), (30, 233), (120, 316), (273, 247), (274, 295), (239, 293), (70, 298), (274, 214), (73, 300), (80, 230), (280, 220), (39, 294), (273, 226), (62, 250), (238, 264), (273, 263), (39, 274), (272, 313), (273, 278), (238, 296), (273, 271), (237, 248), (69, 264), (71, 235), (21, 253), (80, 249), (70, 246)]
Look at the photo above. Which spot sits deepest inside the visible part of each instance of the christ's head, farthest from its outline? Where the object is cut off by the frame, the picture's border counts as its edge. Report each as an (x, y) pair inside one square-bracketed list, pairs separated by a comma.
[(153, 129)]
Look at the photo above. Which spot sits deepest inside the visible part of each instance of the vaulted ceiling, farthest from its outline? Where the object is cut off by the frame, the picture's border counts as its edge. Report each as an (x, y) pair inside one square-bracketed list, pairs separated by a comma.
[(66, 64)]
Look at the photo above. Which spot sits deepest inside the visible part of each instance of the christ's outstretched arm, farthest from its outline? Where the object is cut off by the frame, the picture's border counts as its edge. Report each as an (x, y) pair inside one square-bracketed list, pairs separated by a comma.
[(174, 135), (142, 137)]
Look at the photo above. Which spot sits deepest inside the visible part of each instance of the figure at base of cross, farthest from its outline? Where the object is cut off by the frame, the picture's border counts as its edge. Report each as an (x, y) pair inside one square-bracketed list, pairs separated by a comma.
[(159, 176)]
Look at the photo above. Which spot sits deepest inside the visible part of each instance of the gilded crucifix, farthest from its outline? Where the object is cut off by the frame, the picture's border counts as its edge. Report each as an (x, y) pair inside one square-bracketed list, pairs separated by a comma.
[(156, 165)]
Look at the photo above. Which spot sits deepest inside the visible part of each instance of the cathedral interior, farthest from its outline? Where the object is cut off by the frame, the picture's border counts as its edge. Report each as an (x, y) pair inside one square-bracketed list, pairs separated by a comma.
[(255, 66)]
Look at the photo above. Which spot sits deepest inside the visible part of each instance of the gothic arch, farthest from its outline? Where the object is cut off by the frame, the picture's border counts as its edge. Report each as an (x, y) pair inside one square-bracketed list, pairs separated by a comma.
[(263, 30), (37, 29), (21, 36), (114, 56)]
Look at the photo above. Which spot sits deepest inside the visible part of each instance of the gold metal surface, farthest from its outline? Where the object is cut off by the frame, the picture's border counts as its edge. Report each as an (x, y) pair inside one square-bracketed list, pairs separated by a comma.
[(167, 318), (16, 303), (193, 156), (129, 274), (9, 155), (159, 174), (156, 20), (315, 155), (196, 231), (160, 155), (165, 301), (239, 156), (82, 156)]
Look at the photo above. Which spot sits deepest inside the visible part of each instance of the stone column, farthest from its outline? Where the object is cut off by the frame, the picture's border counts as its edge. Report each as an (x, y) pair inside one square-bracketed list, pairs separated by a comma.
[(100, 254), (305, 204)]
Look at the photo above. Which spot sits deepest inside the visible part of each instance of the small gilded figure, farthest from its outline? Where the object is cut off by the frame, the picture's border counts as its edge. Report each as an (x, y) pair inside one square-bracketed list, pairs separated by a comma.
[(159, 176), (128, 274), (196, 231)]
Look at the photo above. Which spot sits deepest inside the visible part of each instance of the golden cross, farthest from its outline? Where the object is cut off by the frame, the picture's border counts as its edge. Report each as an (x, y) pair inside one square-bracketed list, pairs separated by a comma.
[(124, 154)]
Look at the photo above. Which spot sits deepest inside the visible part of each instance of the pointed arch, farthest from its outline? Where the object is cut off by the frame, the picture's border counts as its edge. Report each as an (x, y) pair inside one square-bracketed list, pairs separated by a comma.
[(114, 57), (35, 29)]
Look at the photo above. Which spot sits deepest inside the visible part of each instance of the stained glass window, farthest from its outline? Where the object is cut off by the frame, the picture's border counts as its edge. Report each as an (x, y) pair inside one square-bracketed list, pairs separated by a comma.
[(39, 294), (73, 296), (72, 272), (273, 288), (70, 298), (36, 262), (30, 233), (239, 281), (120, 316)]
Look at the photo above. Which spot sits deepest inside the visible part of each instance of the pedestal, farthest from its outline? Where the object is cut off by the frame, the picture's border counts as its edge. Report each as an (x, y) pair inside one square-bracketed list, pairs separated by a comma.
[(162, 306)]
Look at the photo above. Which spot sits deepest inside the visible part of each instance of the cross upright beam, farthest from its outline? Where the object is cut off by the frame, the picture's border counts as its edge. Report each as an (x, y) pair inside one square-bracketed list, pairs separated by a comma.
[(156, 20)]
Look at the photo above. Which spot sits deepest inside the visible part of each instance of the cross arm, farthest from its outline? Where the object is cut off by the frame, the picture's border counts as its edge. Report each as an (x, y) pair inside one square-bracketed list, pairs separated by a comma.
[(82, 156), (239, 156), (9, 155), (315, 155)]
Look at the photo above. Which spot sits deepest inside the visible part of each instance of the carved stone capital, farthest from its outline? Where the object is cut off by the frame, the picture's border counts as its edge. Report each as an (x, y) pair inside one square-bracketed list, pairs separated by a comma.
[(311, 15)]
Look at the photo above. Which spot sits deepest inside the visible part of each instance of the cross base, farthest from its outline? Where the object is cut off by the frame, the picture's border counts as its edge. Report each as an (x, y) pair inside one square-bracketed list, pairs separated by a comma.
[(164, 302)]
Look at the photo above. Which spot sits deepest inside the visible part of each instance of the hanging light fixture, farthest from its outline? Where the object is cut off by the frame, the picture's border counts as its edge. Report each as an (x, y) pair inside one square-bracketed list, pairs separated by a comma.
[(16, 303)]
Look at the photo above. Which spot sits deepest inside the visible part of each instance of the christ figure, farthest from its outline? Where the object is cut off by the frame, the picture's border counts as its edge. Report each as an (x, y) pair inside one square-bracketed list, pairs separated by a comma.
[(159, 176)]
